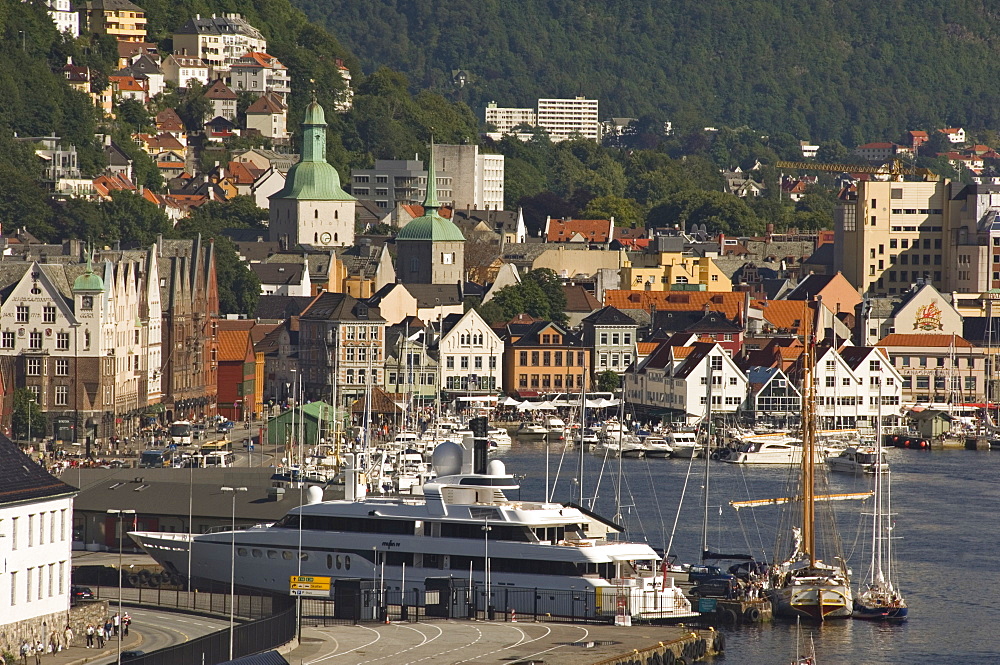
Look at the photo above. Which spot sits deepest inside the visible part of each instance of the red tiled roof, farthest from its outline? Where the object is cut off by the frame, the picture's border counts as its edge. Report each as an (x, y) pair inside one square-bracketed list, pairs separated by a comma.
[(936, 341), (790, 315), (579, 299), (126, 84), (267, 104), (415, 210), (591, 230), (258, 59), (219, 90), (243, 173), (645, 348), (167, 120), (233, 344), (728, 303)]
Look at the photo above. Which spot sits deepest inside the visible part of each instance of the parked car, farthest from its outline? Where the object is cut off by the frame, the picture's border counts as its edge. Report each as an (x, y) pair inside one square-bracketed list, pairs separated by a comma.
[(80, 594), (705, 573), (718, 588), (225, 427)]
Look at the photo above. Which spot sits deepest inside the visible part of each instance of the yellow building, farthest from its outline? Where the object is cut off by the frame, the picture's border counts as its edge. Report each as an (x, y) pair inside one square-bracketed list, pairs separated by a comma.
[(121, 19), (667, 271)]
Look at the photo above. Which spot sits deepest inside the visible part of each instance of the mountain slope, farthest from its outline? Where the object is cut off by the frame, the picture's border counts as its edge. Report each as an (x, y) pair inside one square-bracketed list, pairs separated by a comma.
[(846, 70)]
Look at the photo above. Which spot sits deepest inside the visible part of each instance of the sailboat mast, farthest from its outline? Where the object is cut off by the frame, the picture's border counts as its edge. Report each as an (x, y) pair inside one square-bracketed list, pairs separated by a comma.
[(583, 426), (809, 443), (708, 456), (878, 523)]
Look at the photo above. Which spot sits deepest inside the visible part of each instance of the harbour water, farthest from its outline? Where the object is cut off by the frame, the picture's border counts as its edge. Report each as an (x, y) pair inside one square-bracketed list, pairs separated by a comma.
[(945, 503)]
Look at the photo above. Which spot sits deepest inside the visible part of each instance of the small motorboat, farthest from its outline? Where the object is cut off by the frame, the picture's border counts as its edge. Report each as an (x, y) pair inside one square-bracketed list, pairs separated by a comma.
[(656, 446), (859, 459), (685, 445), (531, 432)]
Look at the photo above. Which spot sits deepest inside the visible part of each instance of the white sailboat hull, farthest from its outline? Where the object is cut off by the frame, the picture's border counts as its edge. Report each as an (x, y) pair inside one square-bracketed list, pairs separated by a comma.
[(816, 599)]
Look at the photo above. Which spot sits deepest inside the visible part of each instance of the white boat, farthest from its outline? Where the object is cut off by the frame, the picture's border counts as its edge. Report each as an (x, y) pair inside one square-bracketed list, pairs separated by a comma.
[(463, 531), (612, 429), (531, 431), (556, 428), (588, 437), (881, 599), (625, 445), (656, 446), (685, 445), (859, 459), (499, 438), (771, 452)]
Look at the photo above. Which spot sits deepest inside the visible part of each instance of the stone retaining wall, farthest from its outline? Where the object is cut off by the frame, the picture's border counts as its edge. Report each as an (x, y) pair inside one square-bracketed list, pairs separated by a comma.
[(50, 628)]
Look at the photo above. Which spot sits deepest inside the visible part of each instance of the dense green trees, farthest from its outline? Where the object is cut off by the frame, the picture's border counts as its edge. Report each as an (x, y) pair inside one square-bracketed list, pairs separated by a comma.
[(835, 71), (539, 294)]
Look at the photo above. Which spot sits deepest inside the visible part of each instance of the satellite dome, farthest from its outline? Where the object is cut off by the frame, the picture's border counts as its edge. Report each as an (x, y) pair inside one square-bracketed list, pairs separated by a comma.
[(314, 494), (447, 459), (496, 468)]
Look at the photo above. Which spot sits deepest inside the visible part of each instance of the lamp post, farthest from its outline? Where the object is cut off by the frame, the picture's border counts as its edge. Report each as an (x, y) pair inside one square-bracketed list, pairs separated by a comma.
[(121, 532), (486, 565), (31, 402), (232, 568)]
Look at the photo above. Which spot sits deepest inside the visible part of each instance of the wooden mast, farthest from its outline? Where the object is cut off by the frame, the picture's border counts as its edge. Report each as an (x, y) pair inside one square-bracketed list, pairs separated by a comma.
[(809, 440)]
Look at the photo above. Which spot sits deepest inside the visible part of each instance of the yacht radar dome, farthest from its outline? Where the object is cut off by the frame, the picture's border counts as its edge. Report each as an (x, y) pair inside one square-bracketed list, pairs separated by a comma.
[(447, 459), (496, 468), (314, 494)]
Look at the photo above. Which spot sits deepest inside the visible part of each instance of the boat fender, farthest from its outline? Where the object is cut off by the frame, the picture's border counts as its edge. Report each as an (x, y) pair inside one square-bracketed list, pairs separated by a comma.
[(155, 580), (668, 658), (655, 659), (752, 614), (690, 651), (176, 580), (730, 617), (681, 661), (702, 648), (144, 576), (133, 579), (720, 643), (716, 456)]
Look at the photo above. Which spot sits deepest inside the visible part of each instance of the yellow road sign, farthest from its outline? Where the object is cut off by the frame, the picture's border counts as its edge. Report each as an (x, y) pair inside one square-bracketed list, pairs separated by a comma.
[(314, 587), (309, 579)]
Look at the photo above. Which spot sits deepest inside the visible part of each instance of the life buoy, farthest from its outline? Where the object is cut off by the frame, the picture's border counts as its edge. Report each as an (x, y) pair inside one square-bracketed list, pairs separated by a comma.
[(752, 614)]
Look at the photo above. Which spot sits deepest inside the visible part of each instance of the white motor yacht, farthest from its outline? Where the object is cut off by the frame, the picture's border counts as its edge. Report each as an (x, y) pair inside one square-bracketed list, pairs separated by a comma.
[(531, 432), (463, 520), (772, 452), (656, 446), (556, 428), (499, 438), (685, 445), (859, 459)]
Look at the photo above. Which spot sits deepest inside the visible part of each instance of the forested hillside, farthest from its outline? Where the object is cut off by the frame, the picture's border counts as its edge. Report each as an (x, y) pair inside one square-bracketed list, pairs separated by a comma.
[(848, 71)]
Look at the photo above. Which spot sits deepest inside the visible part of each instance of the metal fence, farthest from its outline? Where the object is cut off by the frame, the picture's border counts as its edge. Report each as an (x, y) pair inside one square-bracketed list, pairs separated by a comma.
[(248, 605), (456, 601)]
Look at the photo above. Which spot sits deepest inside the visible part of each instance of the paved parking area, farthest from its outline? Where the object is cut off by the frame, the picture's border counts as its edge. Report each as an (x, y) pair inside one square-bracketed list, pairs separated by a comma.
[(456, 642)]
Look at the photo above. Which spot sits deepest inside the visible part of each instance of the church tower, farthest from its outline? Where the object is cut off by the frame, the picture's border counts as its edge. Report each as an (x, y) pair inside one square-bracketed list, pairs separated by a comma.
[(430, 249), (312, 208)]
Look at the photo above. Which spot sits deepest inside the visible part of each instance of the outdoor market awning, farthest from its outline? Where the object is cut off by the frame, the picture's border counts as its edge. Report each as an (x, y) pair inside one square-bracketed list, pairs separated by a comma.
[(478, 398)]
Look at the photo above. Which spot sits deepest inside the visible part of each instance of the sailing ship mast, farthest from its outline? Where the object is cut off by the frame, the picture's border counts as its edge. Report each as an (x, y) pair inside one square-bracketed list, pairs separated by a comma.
[(809, 444)]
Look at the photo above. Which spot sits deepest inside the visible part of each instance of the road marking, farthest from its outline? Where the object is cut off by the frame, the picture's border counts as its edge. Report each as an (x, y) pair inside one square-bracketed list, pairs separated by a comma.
[(335, 655), (479, 636), (586, 633)]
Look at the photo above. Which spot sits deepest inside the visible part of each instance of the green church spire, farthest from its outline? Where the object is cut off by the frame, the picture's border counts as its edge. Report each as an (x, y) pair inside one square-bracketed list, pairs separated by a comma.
[(314, 133), (431, 198), (312, 178)]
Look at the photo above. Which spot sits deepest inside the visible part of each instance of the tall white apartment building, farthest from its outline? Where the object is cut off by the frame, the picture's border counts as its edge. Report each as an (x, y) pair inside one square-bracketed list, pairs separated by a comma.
[(561, 118), (63, 15), (220, 41), (566, 118)]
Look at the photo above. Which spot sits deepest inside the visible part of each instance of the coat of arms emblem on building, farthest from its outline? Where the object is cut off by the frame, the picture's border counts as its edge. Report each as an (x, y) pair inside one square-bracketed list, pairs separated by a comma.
[(928, 317)]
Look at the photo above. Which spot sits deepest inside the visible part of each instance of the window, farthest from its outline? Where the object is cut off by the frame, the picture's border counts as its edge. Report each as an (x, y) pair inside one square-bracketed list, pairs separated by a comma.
[(970, 383), (493, 361), (534, 358), (22, 314), (716, 363), (546, 358), (604, 338), (449, 362), (62, 395), (831, 381), (923, 382), (846, 381), (33, 367), (35, 340), (62, 341), (464, 362), (8, 340), (626, 338), (874, 366), (447, 258), (614, 339), (523, 358), (49, 314)]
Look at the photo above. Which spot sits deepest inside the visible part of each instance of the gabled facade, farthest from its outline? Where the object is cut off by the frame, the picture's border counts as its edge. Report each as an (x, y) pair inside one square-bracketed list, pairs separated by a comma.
[(541, 357), (237, 370), (673, 382), (120, 19), (850, 383), (220, 41), (773, 398), (181, 69), (259, 73), (341, 348), (268, 116), (223, 101), (471, 355), (612, 335), (410, 369)]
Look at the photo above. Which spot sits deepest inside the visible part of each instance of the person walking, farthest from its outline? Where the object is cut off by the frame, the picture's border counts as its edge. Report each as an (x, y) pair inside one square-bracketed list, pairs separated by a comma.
[(25, 648), (89, 632), (39, 650), (116, 622), (67, 637), (126, 622)]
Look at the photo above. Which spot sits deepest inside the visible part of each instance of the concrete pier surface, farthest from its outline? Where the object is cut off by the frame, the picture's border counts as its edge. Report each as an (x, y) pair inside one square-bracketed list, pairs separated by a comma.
[(452, 642)]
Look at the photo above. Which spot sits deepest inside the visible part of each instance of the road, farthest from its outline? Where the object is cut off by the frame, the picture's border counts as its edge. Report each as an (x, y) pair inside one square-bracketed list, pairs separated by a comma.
[(163, 629)]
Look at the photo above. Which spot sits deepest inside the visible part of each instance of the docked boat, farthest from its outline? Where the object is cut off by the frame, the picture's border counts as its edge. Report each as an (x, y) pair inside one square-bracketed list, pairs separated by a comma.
[(531, 432), (656, 446), (625, 445), (771, 452), (463, 531), (809, 578), (859, 459), (588, 437), (556, 428), (499, 438), (880, 598), (685, 445)]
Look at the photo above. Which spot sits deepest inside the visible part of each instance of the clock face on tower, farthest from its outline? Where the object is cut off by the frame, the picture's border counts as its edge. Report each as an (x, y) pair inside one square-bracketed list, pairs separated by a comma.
[(325, 238)]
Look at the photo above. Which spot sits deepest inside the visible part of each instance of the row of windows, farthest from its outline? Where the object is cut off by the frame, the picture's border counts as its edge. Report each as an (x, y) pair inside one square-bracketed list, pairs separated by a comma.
[(617, 360), (35, 587), (412, 378), (361, 376), (904, 243), (360, 332), (22, 313), (477, 361), (35, 366), (923, 361), (463, 383), (550, 358), (8, 340), (941, 382), (616, 338), (549, 381), (38, 524)]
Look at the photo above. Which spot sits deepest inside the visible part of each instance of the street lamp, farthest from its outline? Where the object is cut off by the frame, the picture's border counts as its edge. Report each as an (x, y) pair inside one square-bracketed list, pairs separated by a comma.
[(31, 401), (121, 532), (486, 564), (232, 567)]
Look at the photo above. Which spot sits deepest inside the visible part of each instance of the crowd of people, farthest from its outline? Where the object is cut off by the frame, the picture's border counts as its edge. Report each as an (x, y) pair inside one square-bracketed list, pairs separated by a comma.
[(95, 637)]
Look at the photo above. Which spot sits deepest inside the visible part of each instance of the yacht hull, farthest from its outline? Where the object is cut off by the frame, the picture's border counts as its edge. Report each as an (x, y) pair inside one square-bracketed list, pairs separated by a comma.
[(814, 602), (879, 612)]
